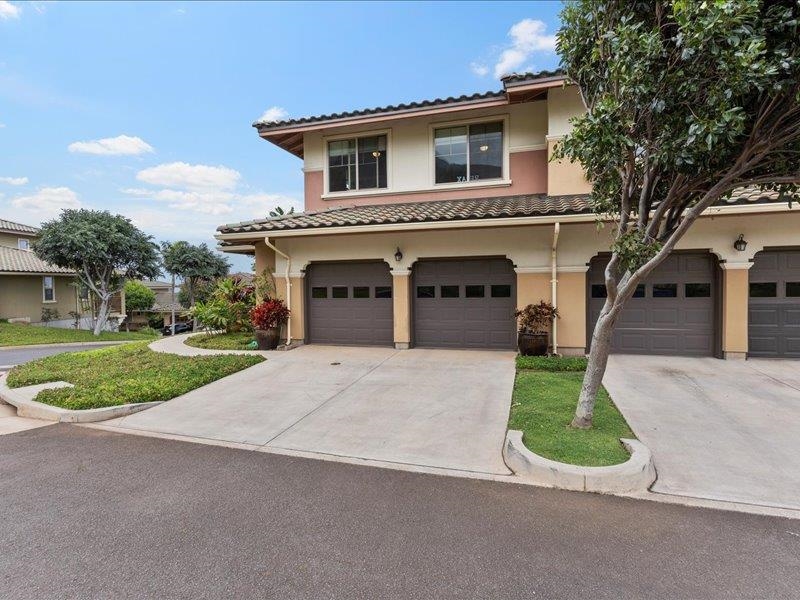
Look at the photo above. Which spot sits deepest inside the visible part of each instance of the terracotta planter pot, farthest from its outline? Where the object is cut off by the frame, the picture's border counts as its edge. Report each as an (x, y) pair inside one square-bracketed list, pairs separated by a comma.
[(532, 344), (268, 339)]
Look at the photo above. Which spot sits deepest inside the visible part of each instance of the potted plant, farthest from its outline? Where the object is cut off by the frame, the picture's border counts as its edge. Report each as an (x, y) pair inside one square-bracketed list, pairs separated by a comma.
[(267, 319), (534, 326)]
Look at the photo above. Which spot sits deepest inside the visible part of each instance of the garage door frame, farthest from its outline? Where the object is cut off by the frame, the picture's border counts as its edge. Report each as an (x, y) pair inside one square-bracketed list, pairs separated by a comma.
[(413, 299), (716, 293), (307, 300)]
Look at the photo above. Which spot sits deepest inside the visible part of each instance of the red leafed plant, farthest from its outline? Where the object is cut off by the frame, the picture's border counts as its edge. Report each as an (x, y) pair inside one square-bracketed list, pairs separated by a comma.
[(270, 313)]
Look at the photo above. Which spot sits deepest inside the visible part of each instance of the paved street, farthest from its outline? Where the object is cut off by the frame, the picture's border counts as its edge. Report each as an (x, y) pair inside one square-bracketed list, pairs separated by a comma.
[(17, 356), (90, 514)]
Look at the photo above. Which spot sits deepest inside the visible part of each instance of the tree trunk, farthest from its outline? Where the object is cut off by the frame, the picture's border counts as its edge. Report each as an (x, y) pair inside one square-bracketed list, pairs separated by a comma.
[(102, 314), (595, 369)]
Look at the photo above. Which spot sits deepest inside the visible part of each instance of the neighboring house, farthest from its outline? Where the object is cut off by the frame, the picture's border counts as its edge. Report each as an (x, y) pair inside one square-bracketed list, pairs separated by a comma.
[(166, 301), (29, 286), (427, 224)]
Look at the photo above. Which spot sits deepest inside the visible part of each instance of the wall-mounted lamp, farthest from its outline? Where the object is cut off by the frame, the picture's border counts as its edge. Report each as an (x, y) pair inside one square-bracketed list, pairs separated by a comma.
[(740, 244), (376, 153), (484, 148), (398, 256)]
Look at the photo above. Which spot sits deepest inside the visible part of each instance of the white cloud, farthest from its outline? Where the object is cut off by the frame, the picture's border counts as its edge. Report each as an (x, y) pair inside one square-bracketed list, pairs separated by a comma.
[(193, 177), (48, 201), (116, 146), (527, 36), (480, 69), (213, 202), (14, 180), (272, 114), (2, 125), (9, 11)]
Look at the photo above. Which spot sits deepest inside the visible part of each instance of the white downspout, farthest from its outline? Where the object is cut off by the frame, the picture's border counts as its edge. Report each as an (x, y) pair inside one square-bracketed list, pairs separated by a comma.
[(554, 283), (288, 286)]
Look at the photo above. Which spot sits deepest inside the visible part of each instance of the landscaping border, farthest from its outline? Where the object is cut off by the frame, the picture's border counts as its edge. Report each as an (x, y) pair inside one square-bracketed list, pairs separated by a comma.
[(23, 399), (637, 474)]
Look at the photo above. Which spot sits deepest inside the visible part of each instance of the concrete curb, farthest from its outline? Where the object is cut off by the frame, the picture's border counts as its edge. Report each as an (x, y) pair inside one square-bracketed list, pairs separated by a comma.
[(69, 344), (637, 474), (23, 399), (174, 344)]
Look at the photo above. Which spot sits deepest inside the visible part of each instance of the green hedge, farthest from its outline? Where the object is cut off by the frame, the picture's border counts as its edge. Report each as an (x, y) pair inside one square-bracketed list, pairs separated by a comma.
[(551, 363)]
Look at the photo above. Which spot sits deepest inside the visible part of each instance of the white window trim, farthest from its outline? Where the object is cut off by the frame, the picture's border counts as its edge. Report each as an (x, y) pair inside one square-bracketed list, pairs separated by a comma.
[(27, 242), (505, 175), (350, 136), (44, 287)]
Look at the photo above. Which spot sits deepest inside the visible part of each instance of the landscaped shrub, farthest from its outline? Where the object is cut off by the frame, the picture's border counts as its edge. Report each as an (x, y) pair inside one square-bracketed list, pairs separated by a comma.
[(551, 363), (227, 307), (269, 314)]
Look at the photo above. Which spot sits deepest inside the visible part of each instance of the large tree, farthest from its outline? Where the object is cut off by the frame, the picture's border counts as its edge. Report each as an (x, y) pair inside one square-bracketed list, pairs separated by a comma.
[(686, 102), (138, 297), (104, 250), (194, 264)]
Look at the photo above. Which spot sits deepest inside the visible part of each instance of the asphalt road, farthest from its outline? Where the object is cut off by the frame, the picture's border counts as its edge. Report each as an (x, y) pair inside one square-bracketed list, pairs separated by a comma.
[(18, 356), (92, 514)]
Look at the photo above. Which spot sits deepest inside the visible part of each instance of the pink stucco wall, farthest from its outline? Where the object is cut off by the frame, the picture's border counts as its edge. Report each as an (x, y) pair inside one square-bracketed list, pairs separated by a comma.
[(528, 176)]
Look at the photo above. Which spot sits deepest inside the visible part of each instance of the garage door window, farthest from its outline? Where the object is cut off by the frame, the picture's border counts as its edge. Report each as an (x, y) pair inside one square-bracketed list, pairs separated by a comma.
[(383, 291), (319, 292), (793, 289), (474, 291), (764, 290), (360, 292), (698, 290), (426, 291), (448, 291), (338, 292), (501, 291), (665, 290)]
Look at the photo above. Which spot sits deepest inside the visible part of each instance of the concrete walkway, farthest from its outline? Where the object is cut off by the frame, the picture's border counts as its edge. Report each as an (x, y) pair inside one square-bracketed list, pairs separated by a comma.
[(720, 430), (444, 409), (11, 423)]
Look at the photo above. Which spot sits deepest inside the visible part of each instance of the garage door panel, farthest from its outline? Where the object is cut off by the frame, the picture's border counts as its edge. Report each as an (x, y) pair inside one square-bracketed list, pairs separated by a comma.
[(470, 322), (774, 322), (351, 320), (664, 320)]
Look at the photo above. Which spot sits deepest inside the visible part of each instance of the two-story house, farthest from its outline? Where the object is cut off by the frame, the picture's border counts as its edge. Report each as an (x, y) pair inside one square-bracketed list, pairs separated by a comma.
[(427, 224), (31, 289)]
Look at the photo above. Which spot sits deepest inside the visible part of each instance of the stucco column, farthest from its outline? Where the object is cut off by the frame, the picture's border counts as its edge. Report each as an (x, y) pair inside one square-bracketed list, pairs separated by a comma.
[(735, 300), (401, 304), (533, 285), (571, 304), (265, 258), (297, 304)]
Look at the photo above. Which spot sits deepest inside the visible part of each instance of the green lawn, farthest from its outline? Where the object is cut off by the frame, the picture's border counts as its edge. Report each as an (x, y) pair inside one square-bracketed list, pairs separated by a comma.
[(19, 334), (222, 341), (542, 408), (125, 374)]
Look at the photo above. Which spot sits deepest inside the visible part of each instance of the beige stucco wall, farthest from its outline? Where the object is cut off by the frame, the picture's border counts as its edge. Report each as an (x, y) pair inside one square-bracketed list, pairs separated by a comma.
[(21, 297), (735, 298), (401, 305), (564, 177), (10, 240), (572, 310)]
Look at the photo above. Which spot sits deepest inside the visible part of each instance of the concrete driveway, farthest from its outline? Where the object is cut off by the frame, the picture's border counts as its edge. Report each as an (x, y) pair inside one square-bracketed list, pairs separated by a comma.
[(443, 409), (722, 430)]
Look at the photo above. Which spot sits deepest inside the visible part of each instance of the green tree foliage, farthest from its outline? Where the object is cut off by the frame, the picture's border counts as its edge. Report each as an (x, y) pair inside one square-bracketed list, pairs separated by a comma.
[(227, 307), (687, 101), (194, 264), (104, 250), (138, 297)]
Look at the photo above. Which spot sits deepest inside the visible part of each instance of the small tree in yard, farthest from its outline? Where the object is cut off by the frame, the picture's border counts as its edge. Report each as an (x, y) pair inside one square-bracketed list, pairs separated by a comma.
[(194, 264), (138, 297), (686, 102), (104, 250)]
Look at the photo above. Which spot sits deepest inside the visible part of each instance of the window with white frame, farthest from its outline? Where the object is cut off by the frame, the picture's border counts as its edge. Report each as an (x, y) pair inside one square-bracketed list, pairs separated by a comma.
[(357, 164), (48, 289), (465, 153), (23, 244)]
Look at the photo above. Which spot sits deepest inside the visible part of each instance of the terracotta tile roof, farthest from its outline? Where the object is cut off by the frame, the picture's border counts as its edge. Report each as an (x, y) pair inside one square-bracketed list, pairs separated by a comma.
[(516, 78), (12, 226), (419, 212), (751, 195), (25, 261), (267, 125)]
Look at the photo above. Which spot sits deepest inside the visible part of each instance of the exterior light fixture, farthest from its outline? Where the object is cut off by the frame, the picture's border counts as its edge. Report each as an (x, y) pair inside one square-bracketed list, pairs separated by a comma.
[(740, 244), (484, 148), (376, 153), (398, 256)]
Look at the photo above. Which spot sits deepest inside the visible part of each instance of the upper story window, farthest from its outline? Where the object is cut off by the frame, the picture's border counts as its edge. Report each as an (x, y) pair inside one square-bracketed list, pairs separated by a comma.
[(23, 244), (357, 164), (468, 152)]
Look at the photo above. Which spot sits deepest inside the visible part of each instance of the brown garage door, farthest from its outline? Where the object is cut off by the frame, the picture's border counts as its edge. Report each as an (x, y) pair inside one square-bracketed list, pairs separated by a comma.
[(671, 313), (464, 303), (774, 308), (350, 303)]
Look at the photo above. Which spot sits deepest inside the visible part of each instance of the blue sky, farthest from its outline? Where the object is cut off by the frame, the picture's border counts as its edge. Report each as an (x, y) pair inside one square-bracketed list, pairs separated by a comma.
[(144, 109)]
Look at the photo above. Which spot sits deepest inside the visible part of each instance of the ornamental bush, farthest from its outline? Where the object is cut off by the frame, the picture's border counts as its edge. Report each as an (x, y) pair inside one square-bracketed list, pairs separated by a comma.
[(269, 314)]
